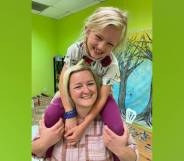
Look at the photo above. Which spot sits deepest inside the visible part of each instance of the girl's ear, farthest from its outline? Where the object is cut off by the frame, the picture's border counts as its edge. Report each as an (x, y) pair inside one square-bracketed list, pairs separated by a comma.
[(87, 30)]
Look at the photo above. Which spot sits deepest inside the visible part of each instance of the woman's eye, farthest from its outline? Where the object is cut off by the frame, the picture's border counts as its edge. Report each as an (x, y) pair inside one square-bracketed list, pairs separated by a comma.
[(77, 87), (91, 84)]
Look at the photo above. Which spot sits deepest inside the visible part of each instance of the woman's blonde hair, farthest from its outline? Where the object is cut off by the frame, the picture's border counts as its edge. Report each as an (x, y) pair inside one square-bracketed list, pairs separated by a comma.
[(105, 16), (67, 75)]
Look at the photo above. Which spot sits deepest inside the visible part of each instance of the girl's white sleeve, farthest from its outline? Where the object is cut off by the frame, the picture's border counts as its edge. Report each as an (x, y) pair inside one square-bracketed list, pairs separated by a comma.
[(72, 56)]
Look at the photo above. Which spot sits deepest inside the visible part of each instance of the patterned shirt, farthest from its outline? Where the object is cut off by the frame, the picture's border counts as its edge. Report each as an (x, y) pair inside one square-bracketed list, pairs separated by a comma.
[(90, 148), (107, 74)]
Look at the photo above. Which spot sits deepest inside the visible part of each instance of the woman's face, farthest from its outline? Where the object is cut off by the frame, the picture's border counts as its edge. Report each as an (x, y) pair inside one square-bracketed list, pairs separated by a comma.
[(83, 89), (101, 43)]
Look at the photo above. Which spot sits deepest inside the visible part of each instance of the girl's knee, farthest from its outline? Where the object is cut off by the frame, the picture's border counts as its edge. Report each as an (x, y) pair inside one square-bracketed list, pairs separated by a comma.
[(52, 114)]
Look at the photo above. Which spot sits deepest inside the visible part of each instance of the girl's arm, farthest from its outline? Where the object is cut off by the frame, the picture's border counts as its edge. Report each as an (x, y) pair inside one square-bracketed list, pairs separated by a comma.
[(72, 122), (65, 101)]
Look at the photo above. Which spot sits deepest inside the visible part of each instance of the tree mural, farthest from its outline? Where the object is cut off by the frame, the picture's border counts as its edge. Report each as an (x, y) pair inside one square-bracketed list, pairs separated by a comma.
[(147, 113), (138, 48)]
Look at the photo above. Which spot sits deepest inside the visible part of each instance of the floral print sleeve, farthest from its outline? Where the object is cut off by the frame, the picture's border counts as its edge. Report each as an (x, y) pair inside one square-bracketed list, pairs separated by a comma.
[(72, 55), (112, 74)]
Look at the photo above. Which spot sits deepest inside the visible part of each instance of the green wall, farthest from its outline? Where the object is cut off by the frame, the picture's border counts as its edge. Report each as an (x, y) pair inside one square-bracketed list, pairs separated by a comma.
[(50, 36), (44, 47)]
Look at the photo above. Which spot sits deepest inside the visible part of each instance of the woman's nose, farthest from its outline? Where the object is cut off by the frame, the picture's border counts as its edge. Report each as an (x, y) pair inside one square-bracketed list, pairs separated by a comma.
[(86, 89)]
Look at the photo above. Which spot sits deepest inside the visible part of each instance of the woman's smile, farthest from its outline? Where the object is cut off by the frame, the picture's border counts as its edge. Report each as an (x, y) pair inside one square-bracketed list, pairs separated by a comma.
[(87, 96)]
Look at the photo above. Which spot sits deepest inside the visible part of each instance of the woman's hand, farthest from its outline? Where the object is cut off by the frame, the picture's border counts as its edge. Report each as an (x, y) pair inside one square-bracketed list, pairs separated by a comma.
[(114, 142), (50, 136), (74, 135)]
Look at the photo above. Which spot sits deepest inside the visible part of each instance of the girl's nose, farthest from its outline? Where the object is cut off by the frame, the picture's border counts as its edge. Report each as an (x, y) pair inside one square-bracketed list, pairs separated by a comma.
[(101, 46)]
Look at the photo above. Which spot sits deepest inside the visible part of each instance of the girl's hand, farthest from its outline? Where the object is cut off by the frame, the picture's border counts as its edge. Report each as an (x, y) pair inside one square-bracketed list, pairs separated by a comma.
[(74, 135), (70, 123), (114, 142), (51, 136)]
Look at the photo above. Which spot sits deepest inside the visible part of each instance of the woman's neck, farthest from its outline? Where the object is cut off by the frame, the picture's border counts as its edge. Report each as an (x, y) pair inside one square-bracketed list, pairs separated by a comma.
[(83, 111)]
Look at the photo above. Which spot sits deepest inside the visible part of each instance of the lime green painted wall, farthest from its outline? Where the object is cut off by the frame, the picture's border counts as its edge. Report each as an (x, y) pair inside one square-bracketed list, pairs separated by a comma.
[(70, 27), (44, 47), (51, 36)]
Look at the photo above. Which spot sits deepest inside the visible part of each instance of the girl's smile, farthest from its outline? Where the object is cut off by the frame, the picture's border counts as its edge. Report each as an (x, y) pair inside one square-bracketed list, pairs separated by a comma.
[(101, 43)]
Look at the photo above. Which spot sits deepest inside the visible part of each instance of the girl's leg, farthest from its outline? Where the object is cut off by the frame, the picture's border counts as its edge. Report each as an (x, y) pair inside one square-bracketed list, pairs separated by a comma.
[(111, 116), (53, 113)]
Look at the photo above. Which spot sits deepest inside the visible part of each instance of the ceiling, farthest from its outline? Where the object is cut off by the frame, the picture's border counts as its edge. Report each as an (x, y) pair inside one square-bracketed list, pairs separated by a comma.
[(60, 8)]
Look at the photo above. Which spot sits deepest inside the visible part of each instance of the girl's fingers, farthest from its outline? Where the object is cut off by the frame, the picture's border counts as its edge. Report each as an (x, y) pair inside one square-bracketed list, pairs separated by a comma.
[(73, 143), (70, 138), (68, 133), (66, 129)]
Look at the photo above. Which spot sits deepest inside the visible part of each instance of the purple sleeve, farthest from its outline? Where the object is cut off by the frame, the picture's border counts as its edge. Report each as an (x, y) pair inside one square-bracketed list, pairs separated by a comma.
[(53, 113), (111, 116)]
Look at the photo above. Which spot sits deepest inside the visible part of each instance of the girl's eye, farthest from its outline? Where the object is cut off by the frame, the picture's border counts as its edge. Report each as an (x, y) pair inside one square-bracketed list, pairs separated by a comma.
[(110, 44), (98, 37)]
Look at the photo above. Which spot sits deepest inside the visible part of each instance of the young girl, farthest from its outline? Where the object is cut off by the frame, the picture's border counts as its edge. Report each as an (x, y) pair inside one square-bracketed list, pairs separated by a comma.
[(105, 31)]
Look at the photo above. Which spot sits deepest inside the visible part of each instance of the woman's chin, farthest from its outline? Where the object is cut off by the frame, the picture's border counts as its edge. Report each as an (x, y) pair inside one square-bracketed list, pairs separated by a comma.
[(87, 104)]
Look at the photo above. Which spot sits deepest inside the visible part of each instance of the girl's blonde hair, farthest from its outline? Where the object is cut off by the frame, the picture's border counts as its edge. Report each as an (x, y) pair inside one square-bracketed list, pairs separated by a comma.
[(67, 75), (105, 16)]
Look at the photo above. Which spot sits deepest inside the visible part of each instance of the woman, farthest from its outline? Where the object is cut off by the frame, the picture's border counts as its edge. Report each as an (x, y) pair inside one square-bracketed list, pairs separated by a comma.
[(98, 142)]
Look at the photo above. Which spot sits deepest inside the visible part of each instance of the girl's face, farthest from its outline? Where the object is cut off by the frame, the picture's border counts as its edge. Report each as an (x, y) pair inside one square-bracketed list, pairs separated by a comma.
[(83, 89), (101, 43)]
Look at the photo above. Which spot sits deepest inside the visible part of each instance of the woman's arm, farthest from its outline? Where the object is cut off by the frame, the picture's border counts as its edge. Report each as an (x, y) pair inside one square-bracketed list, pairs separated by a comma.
[(48, 137), (127, 154), (39, 148), (119, 144)]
